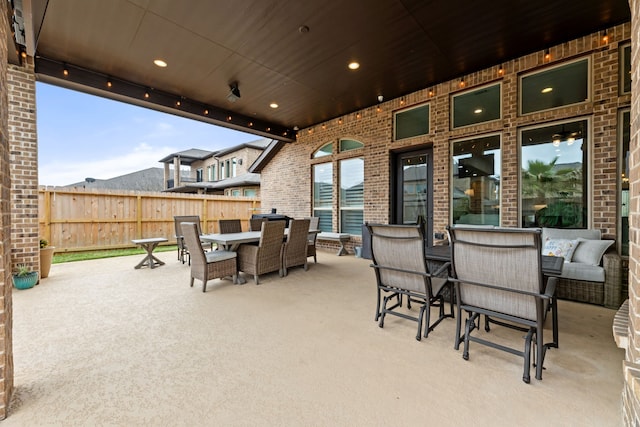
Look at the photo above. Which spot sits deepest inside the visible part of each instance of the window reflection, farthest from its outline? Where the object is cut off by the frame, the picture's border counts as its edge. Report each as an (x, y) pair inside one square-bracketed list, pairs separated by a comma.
[(553, 185), (476, 181)]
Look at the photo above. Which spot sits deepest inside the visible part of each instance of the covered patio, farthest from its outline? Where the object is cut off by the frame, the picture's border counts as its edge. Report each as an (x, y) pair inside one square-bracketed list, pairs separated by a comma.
[(101, 343)]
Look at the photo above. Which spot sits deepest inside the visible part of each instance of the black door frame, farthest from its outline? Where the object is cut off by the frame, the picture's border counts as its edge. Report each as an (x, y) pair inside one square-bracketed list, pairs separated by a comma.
[(397, 191)]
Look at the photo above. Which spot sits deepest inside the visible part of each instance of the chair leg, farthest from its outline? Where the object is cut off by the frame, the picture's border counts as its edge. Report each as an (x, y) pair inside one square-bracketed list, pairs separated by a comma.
[(255, 279), (423, 310), (378, 306), (305, 265), (204, 285), (526, 377), (192, 281)]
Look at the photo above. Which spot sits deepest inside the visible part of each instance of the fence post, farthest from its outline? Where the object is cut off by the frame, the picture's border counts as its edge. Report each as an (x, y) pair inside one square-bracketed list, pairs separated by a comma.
[(139, 217)]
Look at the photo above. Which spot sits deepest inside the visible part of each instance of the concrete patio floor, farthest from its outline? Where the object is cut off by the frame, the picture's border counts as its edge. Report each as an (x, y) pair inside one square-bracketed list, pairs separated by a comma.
[(99, 343)]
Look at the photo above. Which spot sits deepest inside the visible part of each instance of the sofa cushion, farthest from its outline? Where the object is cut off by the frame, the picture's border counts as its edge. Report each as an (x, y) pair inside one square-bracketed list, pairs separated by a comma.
[(569, 233), (580, 271), (591, 251), (560, 247)]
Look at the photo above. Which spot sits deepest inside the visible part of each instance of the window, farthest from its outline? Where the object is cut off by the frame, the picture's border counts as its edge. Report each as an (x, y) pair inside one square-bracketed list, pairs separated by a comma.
[(624, 129), (250, 192), (199, 175), (625, 69), (411, 122), (351, 195), (323, 194), (477, 106), (325, 150), (475, 197), (555, 87), (349, 144), (212, 173), (553, 188), (227, 168), (221, 170), (236, 193), (234, 167)]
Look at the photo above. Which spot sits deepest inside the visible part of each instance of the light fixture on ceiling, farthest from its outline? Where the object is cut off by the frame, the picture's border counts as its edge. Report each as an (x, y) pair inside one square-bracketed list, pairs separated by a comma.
[(160, 63), (501, 70), (477, 110), (354, 65), (380, 98), (109, 83), (146, 93), (65, 70), (605, 37), (547, 54), (462, 83), (234, 93), (567, 136), (274, 105), (547, 90)]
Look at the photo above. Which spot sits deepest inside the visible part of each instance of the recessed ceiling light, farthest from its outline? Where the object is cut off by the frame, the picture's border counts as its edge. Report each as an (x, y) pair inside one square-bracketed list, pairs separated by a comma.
[(160, 63), (354, 65), (547, 90), (478, 110), (273, 105)]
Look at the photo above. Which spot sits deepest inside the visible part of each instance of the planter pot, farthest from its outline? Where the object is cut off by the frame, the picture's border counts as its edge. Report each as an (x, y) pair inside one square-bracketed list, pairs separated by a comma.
[(46, 255), (26, 281)]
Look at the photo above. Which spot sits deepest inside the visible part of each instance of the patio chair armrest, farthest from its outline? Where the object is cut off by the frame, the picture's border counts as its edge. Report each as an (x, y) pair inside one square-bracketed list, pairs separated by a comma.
[(550, 288)]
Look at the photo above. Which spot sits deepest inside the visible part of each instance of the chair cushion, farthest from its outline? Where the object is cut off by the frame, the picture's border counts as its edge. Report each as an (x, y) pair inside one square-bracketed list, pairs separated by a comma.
[(215, 256), (560, 247), (591, 251)]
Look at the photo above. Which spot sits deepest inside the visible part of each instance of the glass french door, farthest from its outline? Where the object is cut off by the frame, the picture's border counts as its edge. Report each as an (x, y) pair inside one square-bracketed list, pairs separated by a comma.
[(413, 197)]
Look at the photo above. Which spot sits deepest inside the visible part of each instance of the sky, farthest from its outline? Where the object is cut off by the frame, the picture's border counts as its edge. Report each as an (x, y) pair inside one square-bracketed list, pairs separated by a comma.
[(86, 136)]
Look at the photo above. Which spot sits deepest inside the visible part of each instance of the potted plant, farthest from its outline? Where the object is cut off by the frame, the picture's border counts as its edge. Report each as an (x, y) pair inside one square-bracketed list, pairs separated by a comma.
[(46, 256), (24, 278)]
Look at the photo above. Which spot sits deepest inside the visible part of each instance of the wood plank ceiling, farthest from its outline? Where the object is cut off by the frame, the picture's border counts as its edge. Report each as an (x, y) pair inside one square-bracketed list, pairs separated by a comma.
[(292, 52)]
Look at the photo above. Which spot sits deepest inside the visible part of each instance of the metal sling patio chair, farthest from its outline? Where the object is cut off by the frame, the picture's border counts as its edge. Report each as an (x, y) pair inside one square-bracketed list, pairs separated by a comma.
[(401, 270), (498, 273), (207, 265)]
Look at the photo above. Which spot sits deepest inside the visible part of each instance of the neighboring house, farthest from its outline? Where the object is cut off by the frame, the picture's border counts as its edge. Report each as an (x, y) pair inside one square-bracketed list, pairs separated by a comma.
[(224, 172), (143, 180)]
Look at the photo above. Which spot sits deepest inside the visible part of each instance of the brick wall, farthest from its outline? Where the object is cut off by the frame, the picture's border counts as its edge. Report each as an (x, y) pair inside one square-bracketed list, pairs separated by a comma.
[(23, 146), (6, 316), (286, 180), (631, 367)]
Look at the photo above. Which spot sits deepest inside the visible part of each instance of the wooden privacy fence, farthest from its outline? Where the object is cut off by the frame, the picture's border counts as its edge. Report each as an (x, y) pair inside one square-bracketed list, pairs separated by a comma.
[(83, 220)]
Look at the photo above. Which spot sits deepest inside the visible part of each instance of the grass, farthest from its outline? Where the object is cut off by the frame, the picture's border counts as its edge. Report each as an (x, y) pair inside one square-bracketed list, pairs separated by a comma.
[(107, 253)]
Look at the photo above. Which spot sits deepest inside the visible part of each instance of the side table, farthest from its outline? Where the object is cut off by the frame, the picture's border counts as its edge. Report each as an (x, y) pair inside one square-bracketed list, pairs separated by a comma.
[(149, 245)]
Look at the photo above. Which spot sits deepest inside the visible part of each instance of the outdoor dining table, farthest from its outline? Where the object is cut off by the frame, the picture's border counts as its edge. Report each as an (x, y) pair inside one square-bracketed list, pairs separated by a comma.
[(231, 241), (551, 265)]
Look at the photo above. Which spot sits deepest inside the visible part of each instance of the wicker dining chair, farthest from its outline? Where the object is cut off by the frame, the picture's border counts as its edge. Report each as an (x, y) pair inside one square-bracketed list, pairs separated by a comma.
[(294, 250), (210, 265), (230, 226), (401, 271), (314, 223), (183, 250), (265, 257), (498, 273), (255, 224)]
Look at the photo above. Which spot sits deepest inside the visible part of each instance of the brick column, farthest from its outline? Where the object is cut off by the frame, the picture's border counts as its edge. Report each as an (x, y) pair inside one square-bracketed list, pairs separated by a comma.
[(6, 341), (631, 366), (23, 145)]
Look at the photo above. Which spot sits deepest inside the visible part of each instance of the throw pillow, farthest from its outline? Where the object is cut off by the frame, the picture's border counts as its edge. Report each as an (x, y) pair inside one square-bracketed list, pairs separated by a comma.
[(560, 247), (591, 251)]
